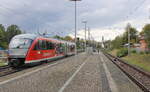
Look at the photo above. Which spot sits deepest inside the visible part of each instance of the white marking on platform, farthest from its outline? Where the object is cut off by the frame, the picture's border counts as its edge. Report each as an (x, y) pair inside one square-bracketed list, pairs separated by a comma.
[(111, 81), (70, 79), (28, 73)]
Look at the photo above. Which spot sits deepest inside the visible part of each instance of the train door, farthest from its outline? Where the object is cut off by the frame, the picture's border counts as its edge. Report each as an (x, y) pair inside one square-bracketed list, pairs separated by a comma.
[(60, 48), (50, 49), (41, 50), (44, 51), (65, 48), (47, 48), (34, 53), (68, 47), (56, 49), (38, 50)]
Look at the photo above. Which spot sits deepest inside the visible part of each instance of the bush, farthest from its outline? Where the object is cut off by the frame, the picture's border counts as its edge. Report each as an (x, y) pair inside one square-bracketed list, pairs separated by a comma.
[(122, 52), (133, 51), (147, 52), (141, 52)]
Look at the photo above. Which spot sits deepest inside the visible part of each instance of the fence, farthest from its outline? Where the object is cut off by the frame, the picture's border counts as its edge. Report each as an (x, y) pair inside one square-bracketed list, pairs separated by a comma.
[(3, 56)]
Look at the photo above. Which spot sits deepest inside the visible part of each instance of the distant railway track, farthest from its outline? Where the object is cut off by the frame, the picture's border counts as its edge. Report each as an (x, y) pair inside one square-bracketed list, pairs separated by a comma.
[(138, 76)]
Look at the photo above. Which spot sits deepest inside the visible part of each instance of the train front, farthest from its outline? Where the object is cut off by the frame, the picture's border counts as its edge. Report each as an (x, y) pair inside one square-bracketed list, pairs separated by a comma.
[(18, 49)]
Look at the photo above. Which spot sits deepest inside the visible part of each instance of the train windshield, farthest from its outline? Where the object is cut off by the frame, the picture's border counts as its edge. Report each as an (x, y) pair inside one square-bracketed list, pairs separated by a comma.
[(20, 43)]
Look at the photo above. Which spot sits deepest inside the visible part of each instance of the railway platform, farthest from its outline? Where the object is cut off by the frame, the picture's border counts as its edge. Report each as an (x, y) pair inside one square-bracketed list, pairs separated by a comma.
[(80, 73)]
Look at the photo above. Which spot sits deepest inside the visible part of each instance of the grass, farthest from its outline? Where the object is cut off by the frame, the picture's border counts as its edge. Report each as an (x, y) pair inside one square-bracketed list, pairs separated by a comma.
[(114, 52), (140, 60), (2, 63)]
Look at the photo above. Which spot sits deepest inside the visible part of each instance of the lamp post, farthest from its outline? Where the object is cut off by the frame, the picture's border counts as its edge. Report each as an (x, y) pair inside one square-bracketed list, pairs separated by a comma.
[(85, 22), (75, 24)]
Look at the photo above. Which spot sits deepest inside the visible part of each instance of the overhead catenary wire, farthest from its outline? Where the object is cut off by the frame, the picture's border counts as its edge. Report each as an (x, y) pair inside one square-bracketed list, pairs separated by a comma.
[(12, 10), (133, 11)]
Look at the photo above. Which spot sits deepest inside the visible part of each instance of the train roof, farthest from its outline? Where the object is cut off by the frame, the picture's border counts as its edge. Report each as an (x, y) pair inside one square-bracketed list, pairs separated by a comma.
[(63, 41), (29, 36), (34, 36)]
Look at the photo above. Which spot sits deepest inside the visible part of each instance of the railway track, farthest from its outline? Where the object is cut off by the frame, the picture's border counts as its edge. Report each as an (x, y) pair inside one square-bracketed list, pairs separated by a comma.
[(138, 76), (3, 67), (6, 70)]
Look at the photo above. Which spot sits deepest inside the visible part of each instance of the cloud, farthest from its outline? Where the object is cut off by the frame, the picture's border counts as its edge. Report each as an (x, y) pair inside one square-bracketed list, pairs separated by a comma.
[(97, 34), (103, 16)]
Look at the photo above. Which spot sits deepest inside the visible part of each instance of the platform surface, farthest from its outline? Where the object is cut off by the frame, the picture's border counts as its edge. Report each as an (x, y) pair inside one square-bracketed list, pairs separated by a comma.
[(80, 73)]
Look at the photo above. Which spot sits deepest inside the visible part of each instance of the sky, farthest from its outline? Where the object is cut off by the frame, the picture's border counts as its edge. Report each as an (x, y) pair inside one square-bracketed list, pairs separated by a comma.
[(106, 18)]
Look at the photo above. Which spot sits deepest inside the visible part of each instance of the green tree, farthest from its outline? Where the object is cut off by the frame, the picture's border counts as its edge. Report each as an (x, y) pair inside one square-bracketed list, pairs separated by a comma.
[(133, 35), (58, 37), (117, 42), (2, 32), (68, 38), (12, 30), (146, 33), (2, 37), (80, 43)]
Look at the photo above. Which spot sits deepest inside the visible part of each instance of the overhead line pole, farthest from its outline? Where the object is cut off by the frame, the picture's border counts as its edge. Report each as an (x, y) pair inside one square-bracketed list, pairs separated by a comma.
[(85, 22), (75, 24), (89, 34)]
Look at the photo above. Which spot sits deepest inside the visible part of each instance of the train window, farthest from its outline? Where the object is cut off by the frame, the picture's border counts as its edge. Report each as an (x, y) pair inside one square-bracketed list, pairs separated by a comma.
[(37, 46), (40, 45), (20, 43), (50, 45), (47, 45), (43, 45)]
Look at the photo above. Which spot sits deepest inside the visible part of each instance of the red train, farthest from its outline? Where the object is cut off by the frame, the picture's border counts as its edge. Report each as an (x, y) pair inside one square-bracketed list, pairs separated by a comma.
[(30, 48)]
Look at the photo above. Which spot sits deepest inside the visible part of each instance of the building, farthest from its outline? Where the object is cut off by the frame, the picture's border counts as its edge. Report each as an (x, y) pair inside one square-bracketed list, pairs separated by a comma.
[(143, 43)]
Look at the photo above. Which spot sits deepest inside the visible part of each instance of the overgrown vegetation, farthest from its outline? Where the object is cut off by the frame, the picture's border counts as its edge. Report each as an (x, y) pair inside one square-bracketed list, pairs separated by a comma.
[(122, 52), (140, 59), (121, 40)]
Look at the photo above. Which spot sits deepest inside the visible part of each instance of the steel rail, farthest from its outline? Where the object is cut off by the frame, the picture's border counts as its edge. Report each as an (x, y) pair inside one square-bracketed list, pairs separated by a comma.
[(135, 80)]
